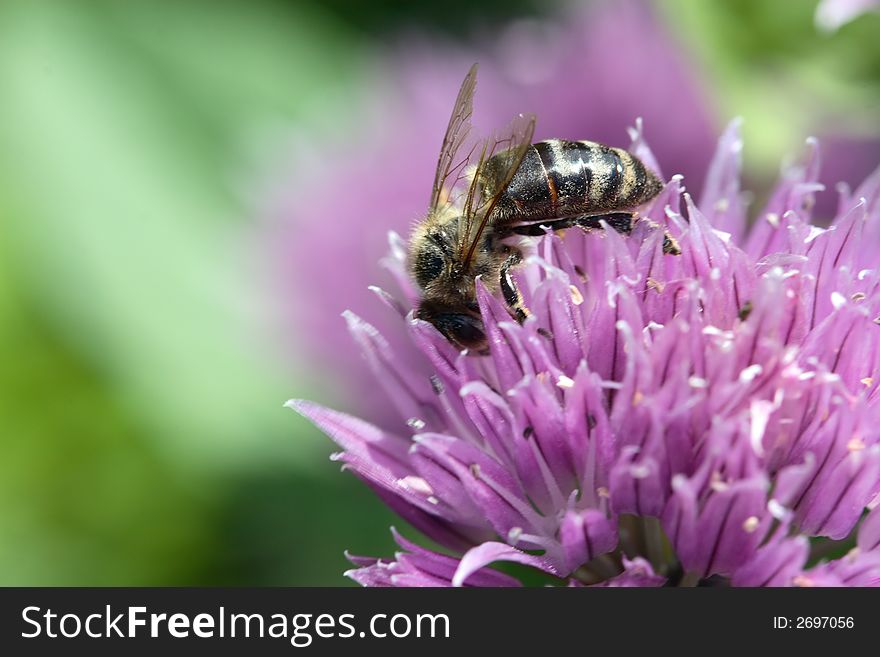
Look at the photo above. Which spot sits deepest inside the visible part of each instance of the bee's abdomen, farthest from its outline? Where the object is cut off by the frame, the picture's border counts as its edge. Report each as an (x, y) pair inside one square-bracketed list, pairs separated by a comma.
[(560, 178)]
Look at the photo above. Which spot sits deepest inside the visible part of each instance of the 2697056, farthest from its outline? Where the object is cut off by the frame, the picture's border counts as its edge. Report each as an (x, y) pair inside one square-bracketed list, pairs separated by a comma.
[(818, 622)]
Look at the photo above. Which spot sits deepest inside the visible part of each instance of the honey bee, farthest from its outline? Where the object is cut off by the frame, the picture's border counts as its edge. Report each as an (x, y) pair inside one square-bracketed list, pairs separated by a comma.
[(488, 191)]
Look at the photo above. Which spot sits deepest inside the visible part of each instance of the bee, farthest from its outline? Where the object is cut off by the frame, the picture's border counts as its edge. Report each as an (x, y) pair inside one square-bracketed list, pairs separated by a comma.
[(488, 191)]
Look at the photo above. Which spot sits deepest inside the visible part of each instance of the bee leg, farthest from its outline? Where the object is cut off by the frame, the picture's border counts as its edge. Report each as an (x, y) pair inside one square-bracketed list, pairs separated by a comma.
[(670, 244), (622, 222), (511, 292)]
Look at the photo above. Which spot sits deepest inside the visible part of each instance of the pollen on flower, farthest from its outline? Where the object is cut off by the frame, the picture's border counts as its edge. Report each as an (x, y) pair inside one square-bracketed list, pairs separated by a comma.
[(717, 483), (565, 382), (655, 285), (576, 297), (868, 381), (751, 524), (855, 444)]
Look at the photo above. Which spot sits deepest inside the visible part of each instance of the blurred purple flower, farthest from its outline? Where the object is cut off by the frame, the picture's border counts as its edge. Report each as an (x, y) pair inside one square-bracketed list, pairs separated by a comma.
[(576, 73), (657, 419), (831, 15)]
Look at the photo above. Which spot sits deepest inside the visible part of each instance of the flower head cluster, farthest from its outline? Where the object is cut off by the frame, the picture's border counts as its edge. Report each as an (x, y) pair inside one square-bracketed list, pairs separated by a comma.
[(656, 419)]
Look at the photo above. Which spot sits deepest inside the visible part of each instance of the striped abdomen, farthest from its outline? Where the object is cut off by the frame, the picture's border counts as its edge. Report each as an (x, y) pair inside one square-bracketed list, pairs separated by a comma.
[(559, 178)]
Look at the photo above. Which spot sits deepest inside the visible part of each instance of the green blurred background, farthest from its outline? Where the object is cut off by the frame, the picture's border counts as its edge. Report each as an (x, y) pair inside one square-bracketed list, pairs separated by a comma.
[(142, 435)]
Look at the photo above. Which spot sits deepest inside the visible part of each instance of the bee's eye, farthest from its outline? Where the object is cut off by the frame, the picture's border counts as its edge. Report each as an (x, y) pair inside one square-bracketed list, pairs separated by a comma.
[(428, 266)]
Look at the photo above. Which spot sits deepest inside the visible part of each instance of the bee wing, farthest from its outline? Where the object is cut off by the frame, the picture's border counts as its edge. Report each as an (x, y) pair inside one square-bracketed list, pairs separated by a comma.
[(451, 171), (508, 147)]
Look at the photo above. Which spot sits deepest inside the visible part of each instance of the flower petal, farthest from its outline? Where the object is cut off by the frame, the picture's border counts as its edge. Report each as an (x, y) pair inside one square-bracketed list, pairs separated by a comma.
[(636, 572), (487, 553), (585, 534), (776, 563), (869, 532), (721, 199)]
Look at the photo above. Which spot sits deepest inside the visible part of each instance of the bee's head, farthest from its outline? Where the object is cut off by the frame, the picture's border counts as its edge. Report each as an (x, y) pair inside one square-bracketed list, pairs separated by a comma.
[(447, 288), (460, 325)]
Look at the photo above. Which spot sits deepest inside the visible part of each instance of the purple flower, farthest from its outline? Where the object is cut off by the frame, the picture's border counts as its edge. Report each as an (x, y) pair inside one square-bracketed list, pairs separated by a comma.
[(657, 419), (343, 194)]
